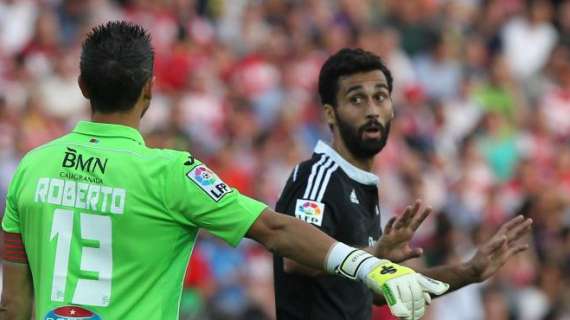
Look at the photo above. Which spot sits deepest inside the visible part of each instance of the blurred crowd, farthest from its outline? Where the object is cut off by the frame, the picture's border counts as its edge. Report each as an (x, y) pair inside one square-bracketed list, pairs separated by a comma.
[(482, 128)]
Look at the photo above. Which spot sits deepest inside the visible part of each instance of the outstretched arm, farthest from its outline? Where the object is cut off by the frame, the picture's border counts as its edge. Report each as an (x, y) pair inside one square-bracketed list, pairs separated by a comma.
[(488, 259), (289, 237), (394, 244), (295, 239)]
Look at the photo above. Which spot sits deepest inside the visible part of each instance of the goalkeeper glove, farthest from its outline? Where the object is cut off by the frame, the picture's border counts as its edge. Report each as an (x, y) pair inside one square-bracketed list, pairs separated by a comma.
[(406, 292)]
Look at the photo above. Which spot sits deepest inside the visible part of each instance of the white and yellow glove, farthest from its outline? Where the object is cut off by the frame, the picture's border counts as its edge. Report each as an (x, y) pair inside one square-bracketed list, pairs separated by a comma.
[(406, 292)]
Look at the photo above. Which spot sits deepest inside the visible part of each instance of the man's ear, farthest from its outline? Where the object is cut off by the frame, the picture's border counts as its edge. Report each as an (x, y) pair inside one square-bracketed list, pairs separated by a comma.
[(83, 87), (146, 96), (330, 115), (147, 89)]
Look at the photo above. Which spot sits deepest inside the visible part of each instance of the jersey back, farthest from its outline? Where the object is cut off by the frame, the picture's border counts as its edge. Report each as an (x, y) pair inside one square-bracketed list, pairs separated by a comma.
[(108, 224)]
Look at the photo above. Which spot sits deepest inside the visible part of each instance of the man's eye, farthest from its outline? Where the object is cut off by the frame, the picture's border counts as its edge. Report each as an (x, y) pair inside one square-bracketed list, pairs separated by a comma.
[(356, 100), (381, 97)]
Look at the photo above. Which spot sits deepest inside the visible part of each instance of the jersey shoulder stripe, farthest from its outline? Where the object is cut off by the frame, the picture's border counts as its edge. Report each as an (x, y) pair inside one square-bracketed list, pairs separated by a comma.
[(326, 180), (314, 170), (295, 171), (319, 178)]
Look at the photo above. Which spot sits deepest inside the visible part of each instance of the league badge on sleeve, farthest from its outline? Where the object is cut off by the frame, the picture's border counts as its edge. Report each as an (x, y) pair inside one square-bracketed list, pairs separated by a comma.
[(310, 211), (208, 181)]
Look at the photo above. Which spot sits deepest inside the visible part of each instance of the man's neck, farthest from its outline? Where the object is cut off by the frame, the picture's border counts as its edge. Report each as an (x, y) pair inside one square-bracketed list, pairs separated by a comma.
[(342, 150), (125, 119)]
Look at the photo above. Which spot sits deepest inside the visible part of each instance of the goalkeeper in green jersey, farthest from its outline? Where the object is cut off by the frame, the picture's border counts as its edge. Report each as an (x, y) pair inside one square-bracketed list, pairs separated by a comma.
[(99, 226)]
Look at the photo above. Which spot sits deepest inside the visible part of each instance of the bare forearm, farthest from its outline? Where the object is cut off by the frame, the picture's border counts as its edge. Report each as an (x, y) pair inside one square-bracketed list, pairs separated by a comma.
[(303, 243), (292, 238), (456, 275), (290, 266)]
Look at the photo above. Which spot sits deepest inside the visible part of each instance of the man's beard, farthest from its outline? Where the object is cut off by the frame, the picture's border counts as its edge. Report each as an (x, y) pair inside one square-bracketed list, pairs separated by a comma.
[(354, 140)]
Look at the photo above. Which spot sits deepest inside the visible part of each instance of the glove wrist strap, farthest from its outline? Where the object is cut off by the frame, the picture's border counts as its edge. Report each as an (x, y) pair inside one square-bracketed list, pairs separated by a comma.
[(350, 262)]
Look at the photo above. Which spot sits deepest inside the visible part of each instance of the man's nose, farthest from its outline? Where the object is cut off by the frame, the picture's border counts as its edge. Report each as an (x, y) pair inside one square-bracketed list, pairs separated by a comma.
[(373, 110), (380, 113)]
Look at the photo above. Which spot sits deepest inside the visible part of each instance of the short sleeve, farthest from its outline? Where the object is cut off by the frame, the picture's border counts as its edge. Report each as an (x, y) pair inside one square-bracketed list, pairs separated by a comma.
[(197, 196), (11, 219), (322, 213)]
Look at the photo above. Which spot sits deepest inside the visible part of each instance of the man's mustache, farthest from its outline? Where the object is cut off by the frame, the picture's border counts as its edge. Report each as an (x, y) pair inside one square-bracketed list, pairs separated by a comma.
[(371, 125)]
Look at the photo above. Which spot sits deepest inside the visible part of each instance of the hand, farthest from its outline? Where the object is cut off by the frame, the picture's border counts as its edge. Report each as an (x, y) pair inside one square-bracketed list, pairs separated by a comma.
[(394, 244), (405, 291), (493, 254)]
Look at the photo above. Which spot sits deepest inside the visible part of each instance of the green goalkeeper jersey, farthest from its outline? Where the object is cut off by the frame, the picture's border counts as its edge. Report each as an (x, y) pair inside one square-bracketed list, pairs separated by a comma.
[(109, 224)]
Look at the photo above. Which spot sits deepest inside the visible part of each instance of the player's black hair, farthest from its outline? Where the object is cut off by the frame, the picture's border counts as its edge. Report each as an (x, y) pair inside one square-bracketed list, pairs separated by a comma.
[(116, 62), (346, 62)]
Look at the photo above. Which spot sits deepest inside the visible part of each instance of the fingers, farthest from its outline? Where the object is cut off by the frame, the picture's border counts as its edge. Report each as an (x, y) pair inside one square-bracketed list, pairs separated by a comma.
[(397, 307), (389, 225), (419, 220), (496, 251), (417, 206), (431, 285), (413, 297), (507, 226), (516, 249), (404, 219), (519, 230), (509, 233), (427, 298), (500, 254), (411, 218), (494, 244), (407, 296), (515, 227), (419, 309), (500, 257), (399, 310), (418, 304)]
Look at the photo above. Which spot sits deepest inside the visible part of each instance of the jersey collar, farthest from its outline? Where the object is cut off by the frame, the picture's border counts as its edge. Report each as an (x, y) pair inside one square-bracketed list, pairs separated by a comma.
[(108, 130), (353, 172)]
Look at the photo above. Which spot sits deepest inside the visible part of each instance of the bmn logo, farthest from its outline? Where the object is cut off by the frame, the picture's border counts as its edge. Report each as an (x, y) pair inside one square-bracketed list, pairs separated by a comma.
[(75, 160)]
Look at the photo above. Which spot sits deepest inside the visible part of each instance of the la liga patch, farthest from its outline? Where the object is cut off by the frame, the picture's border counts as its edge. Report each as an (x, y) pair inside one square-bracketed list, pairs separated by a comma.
[(208, 181), (310, 211)]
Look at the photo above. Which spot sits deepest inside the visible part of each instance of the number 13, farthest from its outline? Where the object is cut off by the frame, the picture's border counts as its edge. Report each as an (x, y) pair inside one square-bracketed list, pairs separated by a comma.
[(93, 227)]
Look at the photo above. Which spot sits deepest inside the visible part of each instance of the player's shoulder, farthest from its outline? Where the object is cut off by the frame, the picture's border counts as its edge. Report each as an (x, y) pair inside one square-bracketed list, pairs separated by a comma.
[(178, 163), (311, 187), (42, 152), (313, 177), (319, 166), (184, 157), (169, 154)]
